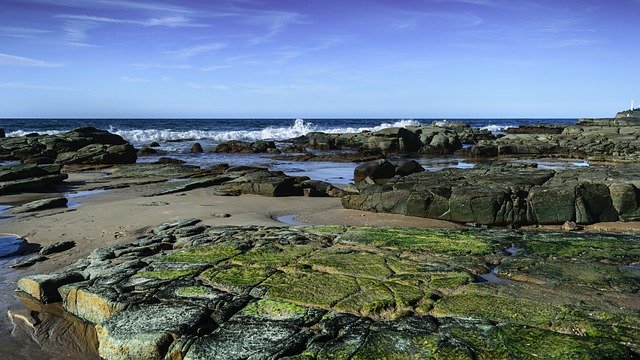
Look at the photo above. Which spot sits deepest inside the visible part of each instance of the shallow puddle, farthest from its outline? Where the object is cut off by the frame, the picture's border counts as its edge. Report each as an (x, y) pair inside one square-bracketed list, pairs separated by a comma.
[(292, 220)]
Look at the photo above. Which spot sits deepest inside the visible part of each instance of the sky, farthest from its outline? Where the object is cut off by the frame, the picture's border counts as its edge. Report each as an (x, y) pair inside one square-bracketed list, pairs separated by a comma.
[(318, 58)]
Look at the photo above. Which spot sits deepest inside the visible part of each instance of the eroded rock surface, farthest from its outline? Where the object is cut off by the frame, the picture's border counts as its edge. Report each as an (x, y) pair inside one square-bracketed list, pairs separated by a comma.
[(188, 291), (502, 194)]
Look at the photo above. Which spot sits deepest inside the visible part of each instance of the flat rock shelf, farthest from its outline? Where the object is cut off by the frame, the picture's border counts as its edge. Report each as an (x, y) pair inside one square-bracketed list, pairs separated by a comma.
[(189, 291)]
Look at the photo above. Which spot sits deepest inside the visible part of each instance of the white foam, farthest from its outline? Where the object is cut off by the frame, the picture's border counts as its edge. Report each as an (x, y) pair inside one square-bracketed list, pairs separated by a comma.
[(496, 129), (23, 133), (299, 128)]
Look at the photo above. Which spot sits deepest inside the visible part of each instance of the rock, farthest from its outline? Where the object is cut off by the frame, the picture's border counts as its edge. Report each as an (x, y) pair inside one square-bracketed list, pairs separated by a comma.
[(2, 133), (37, 160), (536, 129), (236, 146), (408, 167), (569, 226), (380, 171), (261, 182), (44, 288), (196, 148), (222, 215), (147, 152), (154, 144), (85, 145), (167, 160), (57, 247), (39, 205), (147, 332), (317, 188), (29, 262), (30, 178), (11, 245)]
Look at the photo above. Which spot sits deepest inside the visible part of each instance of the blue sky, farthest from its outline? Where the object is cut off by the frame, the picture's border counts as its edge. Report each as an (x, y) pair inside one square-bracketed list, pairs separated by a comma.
[(318, 58)]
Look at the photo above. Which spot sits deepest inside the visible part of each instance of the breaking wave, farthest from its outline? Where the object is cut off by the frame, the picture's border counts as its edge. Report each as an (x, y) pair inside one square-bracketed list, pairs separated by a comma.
[(497, 129), (299, 128), (23, 132)]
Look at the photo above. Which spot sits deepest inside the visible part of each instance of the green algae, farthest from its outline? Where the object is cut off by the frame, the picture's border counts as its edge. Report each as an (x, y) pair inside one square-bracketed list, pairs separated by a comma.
[(617, 249), (203, 254), (449, 280), (438, 241), (349, 262), (393, 345), (311, 289), (481, 302), (274, 310), (166, 274), (235, 278), (273, 255), (201, 292)]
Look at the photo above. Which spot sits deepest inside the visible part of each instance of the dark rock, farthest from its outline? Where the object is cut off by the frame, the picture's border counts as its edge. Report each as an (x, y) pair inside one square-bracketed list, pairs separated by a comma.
[(11, 245), (196, 148), (29, 262), (167, 160), (408, 167), (147, 152), (100, 154), (57, 247), (37, 160), (30, 178), (154, 144), (40, 205), (380, 171), (484, 151), (236, 146), (536, 129), (2, 134)]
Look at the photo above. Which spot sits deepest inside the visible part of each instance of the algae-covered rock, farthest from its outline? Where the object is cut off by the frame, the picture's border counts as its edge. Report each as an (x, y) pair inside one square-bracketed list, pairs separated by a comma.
[(147, 332)]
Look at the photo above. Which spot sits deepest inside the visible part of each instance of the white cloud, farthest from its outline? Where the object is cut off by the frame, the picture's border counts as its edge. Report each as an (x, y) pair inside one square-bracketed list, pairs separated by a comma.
[(198, 86), (162, 66), (196, 50), (117, 4), (169, 21), (134, 79), (11, 60), (215, 67)]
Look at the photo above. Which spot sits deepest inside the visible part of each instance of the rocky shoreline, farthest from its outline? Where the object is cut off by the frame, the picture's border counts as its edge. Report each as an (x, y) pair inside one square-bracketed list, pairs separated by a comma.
[(187, 290)]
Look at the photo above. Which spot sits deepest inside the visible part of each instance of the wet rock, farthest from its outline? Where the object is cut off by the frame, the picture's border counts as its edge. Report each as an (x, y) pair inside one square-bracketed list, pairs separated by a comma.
[(261, 182), (39, 205), (147, 332), (57, 247), (147, 152), (167, 160), (35, 178), (100, 154), (236, 146), (11, 245), (380, 171), (196, 148), (29, 262), (154, 144), (44, 288), (317, 188), (2, 133), (408, 167)]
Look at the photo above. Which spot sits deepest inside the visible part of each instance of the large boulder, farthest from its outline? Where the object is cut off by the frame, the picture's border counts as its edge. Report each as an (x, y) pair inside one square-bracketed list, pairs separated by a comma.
[(379, 171), (100, 154), (30, 178)]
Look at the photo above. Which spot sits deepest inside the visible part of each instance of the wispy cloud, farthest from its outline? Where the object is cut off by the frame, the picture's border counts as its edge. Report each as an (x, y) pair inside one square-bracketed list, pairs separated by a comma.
[(131, 79), (169, 21), (116, 4), (289, 89), (274, 21), (11, 60), (22, 32), (161, 66), (196, 50), (215, 67), (199, 86), (21, 85)]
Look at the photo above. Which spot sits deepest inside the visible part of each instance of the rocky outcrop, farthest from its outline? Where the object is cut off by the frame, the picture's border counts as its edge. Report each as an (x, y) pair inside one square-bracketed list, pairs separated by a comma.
[(30, 178), (236, 146), (39, 205), (414, 139), (188, 291), (506, 194), (81, 146)]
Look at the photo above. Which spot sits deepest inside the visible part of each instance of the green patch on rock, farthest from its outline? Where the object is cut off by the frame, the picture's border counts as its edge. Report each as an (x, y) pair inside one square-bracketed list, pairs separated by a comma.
[(203, 254), (373, 300), (272, 255), (235, 278), (311, 289), (166, 274), (617, 249), (349, 262), (274, 310), (397, 346), (481, 302), (200, 292), (449, 280), (456, 242), (531, 343)]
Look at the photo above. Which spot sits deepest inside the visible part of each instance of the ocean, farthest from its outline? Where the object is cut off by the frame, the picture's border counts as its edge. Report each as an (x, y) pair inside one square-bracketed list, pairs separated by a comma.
[(176, 136)]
